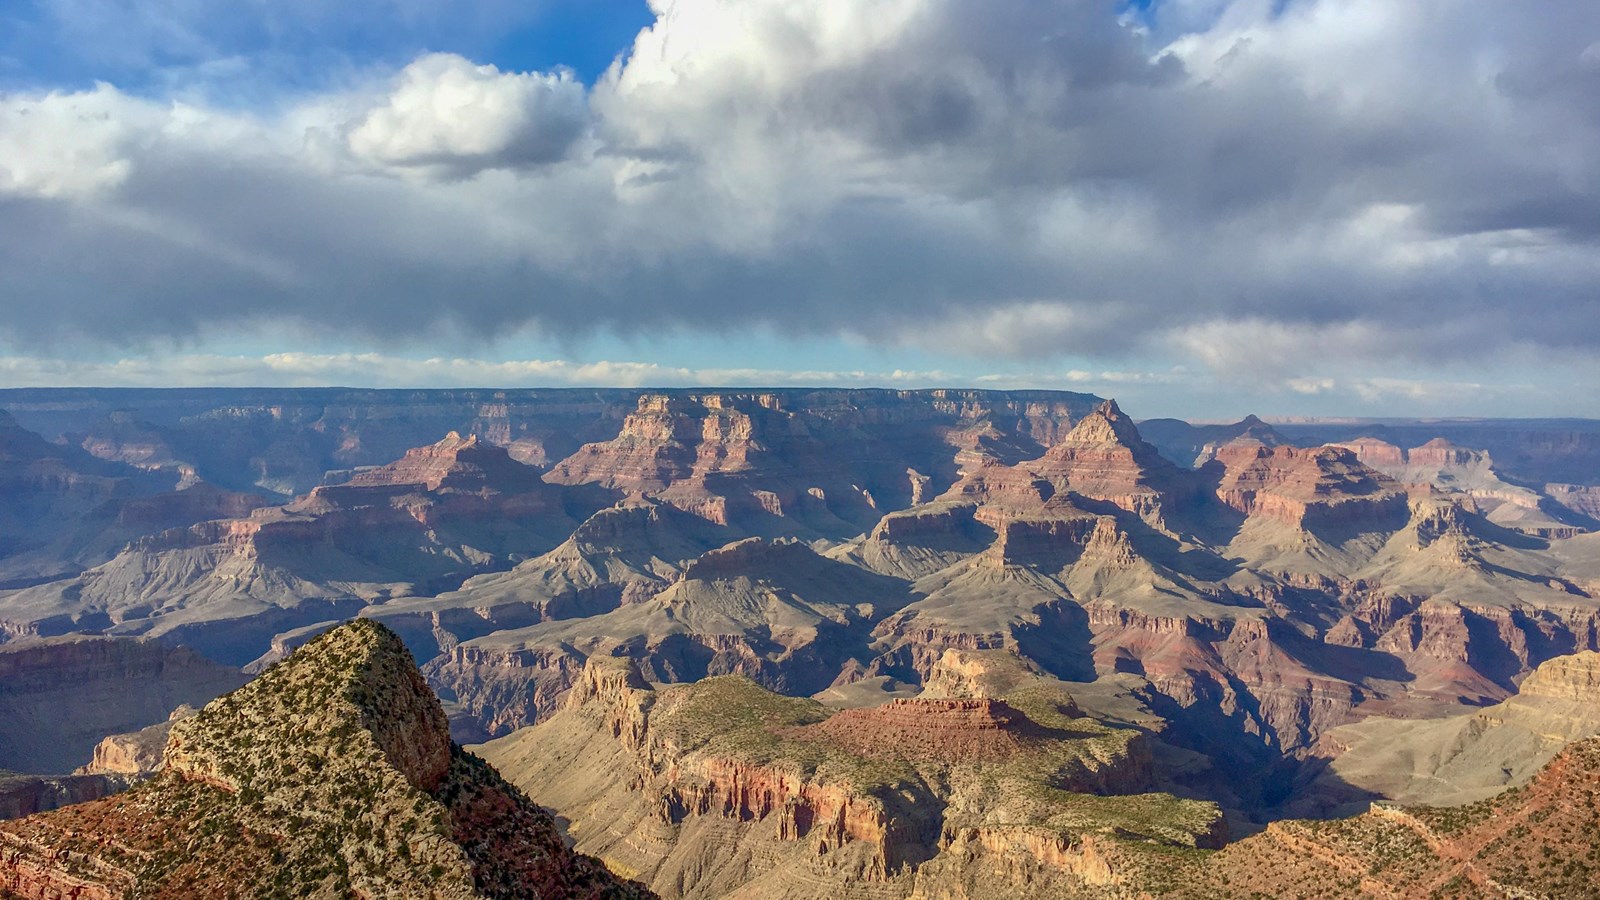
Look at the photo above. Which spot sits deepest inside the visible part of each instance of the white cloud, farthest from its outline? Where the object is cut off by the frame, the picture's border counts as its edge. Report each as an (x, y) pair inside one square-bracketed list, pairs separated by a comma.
[(447, 114), (67, 145)]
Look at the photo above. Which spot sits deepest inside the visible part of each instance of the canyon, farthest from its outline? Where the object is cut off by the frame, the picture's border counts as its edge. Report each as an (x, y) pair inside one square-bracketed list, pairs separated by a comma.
[(749, 642)]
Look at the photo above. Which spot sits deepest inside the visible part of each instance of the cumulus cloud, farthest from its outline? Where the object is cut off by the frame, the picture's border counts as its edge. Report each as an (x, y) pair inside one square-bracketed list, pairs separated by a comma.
[(449, 115), (1264, 191), (66, 145)]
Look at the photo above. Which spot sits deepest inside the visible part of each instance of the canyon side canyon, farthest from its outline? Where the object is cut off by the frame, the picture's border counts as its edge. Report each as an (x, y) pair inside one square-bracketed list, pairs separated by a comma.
[(789, 643)]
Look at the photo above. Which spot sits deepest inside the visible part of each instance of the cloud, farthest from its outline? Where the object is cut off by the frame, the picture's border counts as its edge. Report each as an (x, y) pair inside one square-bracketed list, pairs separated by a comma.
[(1264, 192), (66, 145), (451, 116), (296, 369)]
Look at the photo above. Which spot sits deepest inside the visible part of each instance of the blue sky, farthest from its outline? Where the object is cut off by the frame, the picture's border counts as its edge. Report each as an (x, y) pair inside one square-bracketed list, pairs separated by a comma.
[(154, 47), (1203, 207)]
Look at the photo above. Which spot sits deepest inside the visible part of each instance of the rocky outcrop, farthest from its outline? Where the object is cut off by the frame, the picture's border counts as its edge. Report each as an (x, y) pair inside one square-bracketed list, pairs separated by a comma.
[(137, 754), (1104, 458), (832, 462), (1574, 678), (1323, 487), (1473, 477), (332, 774), (1374, 452)]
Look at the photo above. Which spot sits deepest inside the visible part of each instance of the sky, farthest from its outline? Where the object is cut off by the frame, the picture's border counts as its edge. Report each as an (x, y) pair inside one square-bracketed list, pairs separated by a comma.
[(1204, 208)]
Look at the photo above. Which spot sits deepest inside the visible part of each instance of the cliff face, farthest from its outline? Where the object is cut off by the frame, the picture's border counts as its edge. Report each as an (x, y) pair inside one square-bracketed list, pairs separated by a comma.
[(721, 786), (59, 697), (829, 463), (1307, 488), (25, 795), (330, 774), (1103, 458)]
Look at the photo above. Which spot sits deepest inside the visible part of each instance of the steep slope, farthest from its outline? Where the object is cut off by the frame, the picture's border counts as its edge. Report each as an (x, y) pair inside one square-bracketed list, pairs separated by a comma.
[(621, 555), (721, 788), (1316, 511), (1532, 841), (329, 775), (1102, 458)]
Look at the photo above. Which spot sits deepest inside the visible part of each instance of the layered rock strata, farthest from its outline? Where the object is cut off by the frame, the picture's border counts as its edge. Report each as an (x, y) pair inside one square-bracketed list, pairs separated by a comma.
[(721, 787)]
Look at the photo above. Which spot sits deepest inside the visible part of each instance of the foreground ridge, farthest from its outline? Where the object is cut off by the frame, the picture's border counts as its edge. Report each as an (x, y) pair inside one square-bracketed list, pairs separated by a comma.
[(1537, 840), (330, 775)]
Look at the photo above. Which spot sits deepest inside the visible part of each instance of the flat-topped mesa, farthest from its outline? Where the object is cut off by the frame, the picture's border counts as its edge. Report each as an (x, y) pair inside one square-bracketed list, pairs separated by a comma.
[(944, 730), (1374, 452), (1306, 486), (1441, 452), (1058, 539)]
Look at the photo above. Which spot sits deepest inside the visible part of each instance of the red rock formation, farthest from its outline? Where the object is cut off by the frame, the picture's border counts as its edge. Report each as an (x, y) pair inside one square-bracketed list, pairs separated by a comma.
[(948, 730), (1306, 487), (1103, 458), (1441, 453), (1371, 451)]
